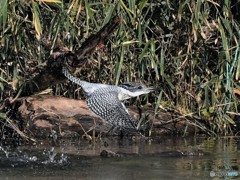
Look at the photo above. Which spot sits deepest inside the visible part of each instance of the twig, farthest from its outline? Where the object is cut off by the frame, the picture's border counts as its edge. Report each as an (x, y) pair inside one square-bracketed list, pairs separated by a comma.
[(14, 127)]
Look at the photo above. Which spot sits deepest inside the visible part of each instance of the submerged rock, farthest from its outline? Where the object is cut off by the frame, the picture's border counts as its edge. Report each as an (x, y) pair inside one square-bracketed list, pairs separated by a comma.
[(109, 153)]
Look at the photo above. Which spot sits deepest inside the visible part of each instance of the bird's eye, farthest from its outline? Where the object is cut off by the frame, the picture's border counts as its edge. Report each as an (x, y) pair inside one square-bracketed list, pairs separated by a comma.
[(139, 87)]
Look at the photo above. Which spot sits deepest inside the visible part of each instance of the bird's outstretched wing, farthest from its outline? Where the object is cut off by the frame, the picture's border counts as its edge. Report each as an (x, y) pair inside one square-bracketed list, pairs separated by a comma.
[(112, 110)]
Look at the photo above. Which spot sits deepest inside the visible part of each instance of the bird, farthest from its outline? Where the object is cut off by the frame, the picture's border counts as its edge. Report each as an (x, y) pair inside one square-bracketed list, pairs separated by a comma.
[(106, 100)]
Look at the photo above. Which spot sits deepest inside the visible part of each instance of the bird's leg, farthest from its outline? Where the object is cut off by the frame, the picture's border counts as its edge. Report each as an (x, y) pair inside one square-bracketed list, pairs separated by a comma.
[(112, 130)]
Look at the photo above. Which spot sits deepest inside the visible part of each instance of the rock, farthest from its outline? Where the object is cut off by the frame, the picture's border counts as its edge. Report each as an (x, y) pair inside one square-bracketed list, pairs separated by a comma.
[(108, 153)]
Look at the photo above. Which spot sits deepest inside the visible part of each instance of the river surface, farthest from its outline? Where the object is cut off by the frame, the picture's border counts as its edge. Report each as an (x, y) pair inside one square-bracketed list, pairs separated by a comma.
[(163, 158)]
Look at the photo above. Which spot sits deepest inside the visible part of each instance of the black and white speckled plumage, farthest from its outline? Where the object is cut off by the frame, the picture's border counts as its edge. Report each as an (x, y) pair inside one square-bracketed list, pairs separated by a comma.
[(105, 100), (110, 108)]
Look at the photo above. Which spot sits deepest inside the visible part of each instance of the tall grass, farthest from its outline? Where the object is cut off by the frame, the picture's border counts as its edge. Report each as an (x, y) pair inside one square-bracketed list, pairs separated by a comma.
[(189, 49)]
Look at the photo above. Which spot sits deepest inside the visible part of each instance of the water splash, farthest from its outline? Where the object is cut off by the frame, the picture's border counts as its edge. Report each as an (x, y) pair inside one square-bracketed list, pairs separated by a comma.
[(15, 157), (53, 157), (5, 151), (51, 154)]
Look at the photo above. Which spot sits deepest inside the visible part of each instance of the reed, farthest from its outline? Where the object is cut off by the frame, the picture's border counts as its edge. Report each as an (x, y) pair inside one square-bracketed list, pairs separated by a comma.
[(189, 49)]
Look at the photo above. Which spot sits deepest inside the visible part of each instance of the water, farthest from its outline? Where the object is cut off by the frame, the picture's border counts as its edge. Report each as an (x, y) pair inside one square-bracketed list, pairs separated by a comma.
[(165, 158)]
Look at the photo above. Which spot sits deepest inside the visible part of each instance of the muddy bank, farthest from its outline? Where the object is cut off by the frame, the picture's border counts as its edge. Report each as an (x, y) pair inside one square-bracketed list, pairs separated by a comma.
[(43, 115)]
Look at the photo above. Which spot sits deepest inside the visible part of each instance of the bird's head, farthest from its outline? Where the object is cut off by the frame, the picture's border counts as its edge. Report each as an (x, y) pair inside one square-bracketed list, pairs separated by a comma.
[(136, 89)]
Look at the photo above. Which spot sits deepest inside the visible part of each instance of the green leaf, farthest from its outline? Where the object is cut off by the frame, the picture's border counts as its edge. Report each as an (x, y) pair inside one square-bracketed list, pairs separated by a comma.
[(36, 20), (3, 13), (119, 67), (224, 41)]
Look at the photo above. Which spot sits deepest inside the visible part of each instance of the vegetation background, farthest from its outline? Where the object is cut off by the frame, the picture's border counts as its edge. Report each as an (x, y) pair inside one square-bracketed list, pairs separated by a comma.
[(188, 48)]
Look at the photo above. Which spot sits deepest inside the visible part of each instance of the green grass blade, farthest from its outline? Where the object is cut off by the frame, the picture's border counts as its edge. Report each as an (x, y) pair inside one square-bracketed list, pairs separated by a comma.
[(3, 13), (119, 66)]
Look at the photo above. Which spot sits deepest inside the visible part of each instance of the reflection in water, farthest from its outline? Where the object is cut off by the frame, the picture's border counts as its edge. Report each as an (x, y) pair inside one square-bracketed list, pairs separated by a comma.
[(165, 158)]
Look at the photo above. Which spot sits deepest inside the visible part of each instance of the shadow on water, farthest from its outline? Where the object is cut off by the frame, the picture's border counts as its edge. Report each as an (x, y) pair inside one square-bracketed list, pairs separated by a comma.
[(165, 158)]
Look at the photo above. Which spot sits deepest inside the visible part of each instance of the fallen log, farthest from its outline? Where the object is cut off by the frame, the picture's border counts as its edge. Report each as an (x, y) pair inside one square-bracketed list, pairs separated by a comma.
[(44, 114)]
